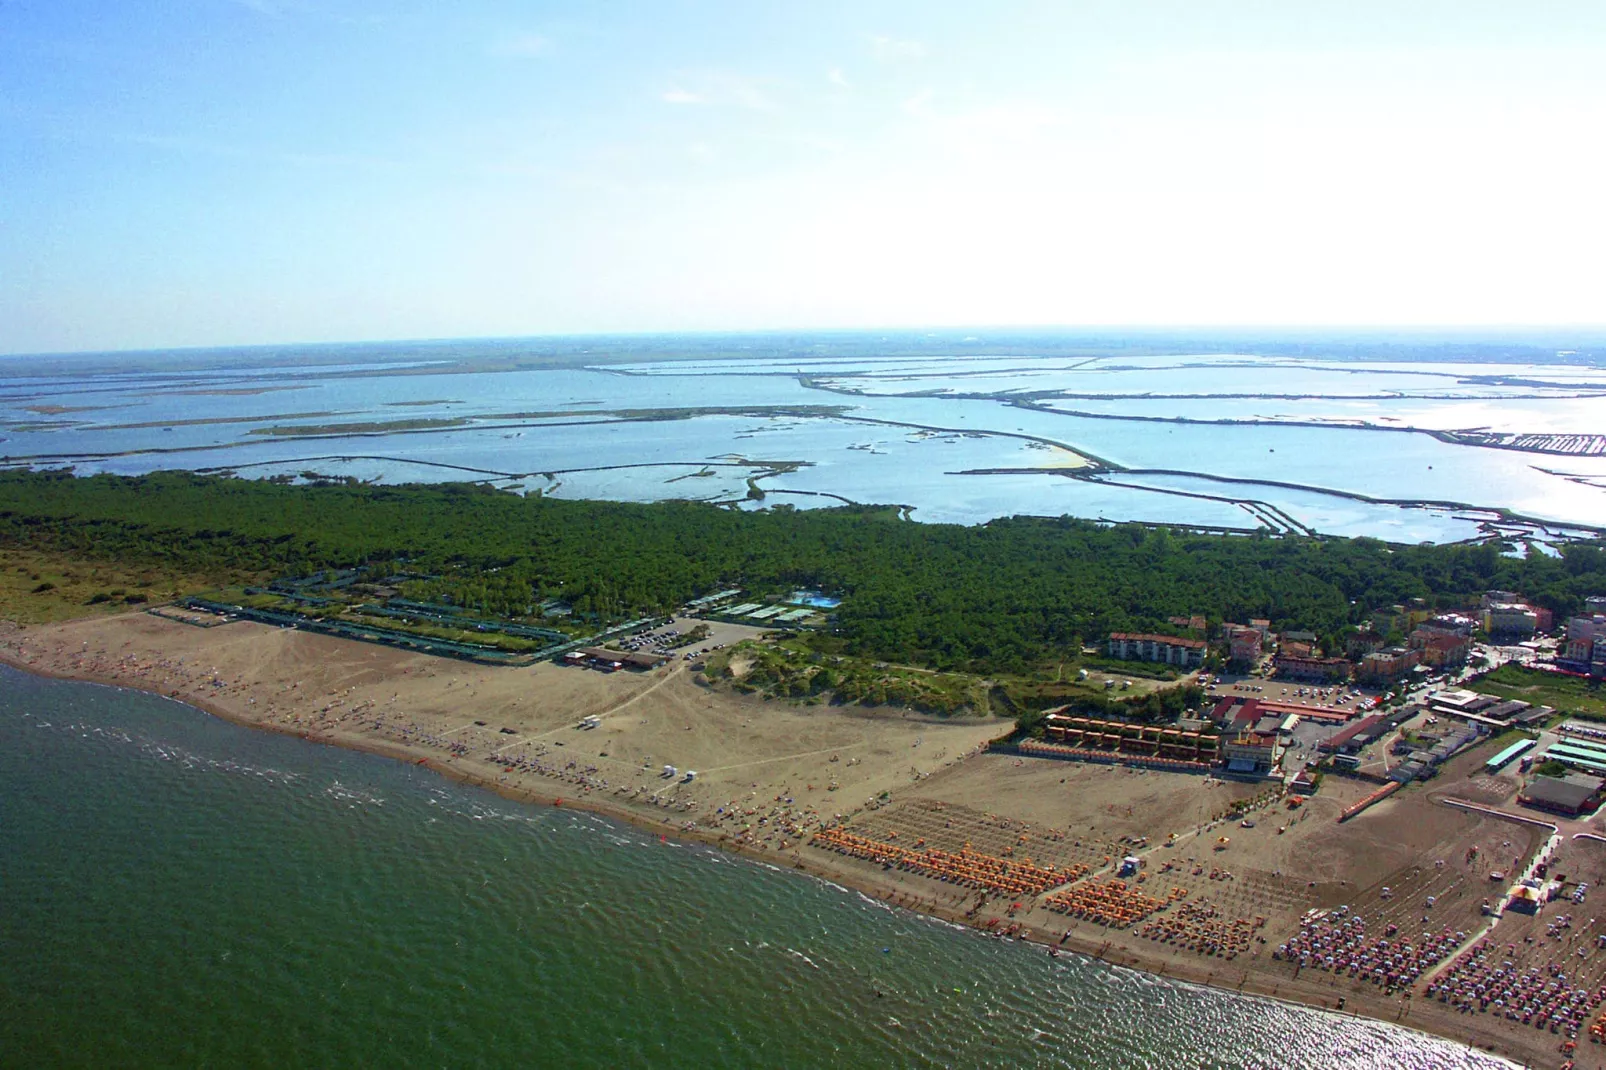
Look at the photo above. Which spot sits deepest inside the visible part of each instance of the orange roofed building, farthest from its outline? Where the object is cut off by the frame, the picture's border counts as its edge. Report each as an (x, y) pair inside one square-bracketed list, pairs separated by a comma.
[(1187, 653)]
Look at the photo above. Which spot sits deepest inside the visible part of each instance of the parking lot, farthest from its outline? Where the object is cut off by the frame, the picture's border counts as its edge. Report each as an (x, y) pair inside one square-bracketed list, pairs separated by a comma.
[(670, 638), (1338, 697)]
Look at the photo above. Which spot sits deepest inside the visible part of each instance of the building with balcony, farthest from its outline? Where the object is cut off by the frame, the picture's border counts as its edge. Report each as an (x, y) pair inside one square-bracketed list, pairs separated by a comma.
[(1251, 753), (1385, 666), (1310, 667), (1167, 649)]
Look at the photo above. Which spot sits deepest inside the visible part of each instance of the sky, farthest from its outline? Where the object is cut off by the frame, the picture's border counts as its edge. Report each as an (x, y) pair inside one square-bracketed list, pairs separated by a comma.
[(217, 172)]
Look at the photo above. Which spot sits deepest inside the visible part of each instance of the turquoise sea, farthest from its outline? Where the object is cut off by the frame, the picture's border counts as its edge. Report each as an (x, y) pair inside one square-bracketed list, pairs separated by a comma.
[(179, 891)]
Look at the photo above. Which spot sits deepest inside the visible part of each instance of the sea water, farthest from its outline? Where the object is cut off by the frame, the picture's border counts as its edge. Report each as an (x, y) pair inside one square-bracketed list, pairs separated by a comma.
[(180, 891)]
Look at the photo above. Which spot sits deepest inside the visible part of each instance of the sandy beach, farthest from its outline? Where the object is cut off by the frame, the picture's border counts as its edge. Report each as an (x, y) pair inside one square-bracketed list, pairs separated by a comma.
[(769, 773)]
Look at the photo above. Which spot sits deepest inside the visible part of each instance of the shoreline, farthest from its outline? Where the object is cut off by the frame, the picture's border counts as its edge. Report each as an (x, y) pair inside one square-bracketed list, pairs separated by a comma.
[(1320, 992)]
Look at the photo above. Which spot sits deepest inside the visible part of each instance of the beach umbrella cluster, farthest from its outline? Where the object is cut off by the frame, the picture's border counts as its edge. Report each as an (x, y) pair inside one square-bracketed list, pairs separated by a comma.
[(1001, 876), (1487, 979), (1337, 941), (572, 772), (1110, 903), (1201, 927)]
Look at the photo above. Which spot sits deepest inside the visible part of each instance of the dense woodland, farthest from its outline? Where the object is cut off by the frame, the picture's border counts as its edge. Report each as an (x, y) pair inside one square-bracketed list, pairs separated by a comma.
[(999, 596)]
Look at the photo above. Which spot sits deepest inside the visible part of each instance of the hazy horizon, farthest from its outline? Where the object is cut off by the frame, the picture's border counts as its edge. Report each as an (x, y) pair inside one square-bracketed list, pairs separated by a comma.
[(1533, 335)]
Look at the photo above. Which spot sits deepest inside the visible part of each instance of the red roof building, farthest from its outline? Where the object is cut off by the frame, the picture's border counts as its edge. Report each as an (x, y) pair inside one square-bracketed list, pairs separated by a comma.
[(1356, 735), (1169, 649), (1311, 668)]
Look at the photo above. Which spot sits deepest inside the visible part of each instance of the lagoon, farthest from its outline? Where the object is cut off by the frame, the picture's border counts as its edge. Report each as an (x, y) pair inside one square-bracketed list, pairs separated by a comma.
[(1253, 444)]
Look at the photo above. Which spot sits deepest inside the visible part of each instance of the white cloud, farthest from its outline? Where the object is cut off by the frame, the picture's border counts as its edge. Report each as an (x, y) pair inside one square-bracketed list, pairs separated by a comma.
[(837, 78), (919, 105), (718, 88), (988, 127), (528, 45), (890, 49)]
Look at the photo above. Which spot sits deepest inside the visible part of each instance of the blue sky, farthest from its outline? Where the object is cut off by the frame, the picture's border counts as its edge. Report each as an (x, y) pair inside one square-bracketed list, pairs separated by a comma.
[(195, 172)]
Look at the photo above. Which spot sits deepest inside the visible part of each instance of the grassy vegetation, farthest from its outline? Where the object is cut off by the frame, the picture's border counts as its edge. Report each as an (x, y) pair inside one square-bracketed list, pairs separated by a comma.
[(1505, 739), (41, 588), (1136, 669), (792, 668), (1569, 694), (812, 667)]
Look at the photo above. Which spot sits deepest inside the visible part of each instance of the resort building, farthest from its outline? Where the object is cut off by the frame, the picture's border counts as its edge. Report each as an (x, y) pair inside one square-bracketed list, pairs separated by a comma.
[(1450, 624), (1586, 644), (1159, 741), (1251, 753), (1243, 644), (1309, 667), (1383, 666), (1187, 653), (1510, 618), (598, 657), (1361, 644), (1579, 650), (1440, 649), (1399, 618), (1392, 619)]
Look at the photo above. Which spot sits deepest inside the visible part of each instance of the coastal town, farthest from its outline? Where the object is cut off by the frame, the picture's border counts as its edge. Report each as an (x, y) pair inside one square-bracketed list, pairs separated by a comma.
[(1373, 822), (1044, 535)]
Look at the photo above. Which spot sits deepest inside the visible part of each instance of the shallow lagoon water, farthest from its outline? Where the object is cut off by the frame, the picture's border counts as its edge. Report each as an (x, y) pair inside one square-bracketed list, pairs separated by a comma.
[(1325, 472), (1563, 415)]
